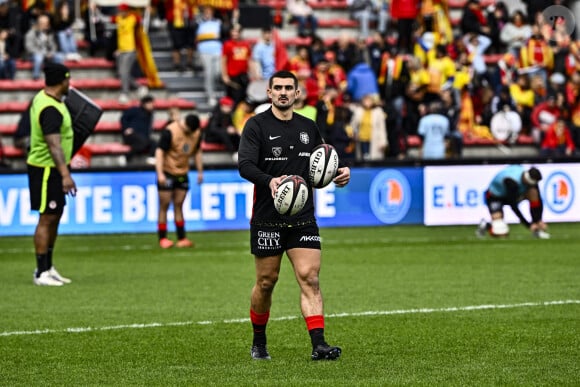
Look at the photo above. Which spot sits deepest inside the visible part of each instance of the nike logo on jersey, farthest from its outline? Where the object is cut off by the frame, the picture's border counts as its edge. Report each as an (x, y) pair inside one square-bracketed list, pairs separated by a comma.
[(274, 137)]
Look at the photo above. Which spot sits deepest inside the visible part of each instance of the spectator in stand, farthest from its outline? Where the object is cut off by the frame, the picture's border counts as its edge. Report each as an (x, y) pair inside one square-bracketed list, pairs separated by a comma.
[(474, 19), (63, 22), (415, 93), (361, 82), (326, 110), (523, 97), (242, 113), (7, 58), (557, 141), (181, 23), (575, 121), (341, 135), (317, 49), (536, 6), (393, 77), (545, 114), (337, 73), (404, 13), (536, 56), (441, 71), (476, 46), (209, 46), (572, 88), (375, 50), (94, 29), (220, 128), (137, 128), (31, 14), (367, 11), (434, 129), (516, 33), (557, 84), (303, 14), (470, 122), (263, 62), (300, 62), (345, 51), (10, 35), (319, 81), (450, 108), (127, 23), (507, 70), (369, 125), (236, 55), (41, 45), (497, 18)]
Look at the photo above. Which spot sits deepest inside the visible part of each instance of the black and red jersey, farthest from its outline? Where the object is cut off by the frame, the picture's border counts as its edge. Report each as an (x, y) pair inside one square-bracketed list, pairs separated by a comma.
[(270, 147)]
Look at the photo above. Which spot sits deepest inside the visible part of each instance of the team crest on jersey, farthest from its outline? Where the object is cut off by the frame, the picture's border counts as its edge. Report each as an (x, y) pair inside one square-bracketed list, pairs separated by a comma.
[(276, 151), (304, 138)]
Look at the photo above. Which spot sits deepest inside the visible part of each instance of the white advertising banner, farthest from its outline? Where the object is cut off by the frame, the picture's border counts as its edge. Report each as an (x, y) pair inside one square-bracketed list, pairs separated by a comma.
[(456, 194)]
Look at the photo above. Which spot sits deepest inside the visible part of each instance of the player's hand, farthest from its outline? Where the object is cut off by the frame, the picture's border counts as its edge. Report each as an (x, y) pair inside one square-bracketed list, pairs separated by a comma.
[(199, 178), (161, 179), (275, 183), (343, 177), (69, 186)]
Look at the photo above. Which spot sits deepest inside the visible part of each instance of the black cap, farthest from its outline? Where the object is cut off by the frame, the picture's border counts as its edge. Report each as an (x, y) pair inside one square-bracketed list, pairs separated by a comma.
[(55, 73)]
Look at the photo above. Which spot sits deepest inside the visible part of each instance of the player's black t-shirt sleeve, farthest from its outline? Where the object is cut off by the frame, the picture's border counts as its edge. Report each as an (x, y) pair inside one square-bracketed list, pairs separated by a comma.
[(165, 140), (512, 189), (249, 155), (50, 120)]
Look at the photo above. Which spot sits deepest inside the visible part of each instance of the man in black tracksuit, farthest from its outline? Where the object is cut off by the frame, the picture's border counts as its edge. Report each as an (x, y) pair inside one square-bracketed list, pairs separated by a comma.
[(274, 144)]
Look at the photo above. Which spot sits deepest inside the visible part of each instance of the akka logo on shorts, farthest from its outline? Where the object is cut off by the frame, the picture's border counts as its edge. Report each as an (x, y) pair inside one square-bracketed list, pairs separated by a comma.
[(52, 205), (276, 151), (268, 240), (304, 138), (309, 238), (390, 196), (558, 192)]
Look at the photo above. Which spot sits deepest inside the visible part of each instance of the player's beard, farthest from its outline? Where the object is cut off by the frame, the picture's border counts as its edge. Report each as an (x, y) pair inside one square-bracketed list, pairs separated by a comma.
[(286, 107)]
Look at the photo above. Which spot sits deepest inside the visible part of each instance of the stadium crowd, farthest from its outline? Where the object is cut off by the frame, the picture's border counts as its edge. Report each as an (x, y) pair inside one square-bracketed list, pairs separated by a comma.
[(496, 77)]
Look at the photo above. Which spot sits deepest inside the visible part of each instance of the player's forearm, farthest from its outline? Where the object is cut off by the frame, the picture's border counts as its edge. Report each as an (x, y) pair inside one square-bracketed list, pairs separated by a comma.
[(57, 154)]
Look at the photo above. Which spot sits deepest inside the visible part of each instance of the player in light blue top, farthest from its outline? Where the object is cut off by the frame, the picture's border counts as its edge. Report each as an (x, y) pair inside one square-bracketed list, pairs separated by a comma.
[(434, 129), (509, 187), (264, 56)]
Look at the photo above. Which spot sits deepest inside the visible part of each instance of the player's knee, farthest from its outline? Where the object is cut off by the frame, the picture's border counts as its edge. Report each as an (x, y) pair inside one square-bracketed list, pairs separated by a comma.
[(267, 283)]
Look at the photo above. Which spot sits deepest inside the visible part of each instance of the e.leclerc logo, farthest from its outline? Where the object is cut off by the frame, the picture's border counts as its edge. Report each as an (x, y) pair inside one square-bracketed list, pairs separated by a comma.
[(390, 196), (558, 192)]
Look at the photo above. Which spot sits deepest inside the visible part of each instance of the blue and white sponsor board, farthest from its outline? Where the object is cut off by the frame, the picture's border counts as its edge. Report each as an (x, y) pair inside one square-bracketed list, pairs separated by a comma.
[(455, 194), (124, 202)]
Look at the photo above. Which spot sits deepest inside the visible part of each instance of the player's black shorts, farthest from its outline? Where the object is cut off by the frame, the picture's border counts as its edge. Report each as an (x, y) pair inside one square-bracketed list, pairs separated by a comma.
[(174, 182), (45, 186), (494, 204), (269, 241)]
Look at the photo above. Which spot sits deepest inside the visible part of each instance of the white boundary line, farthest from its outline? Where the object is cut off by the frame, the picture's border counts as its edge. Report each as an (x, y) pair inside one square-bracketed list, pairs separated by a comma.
[(283, 318)]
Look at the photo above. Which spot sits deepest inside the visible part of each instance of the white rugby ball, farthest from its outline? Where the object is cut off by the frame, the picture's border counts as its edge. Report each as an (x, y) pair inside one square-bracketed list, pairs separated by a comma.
[(291, 195), (323, 165)]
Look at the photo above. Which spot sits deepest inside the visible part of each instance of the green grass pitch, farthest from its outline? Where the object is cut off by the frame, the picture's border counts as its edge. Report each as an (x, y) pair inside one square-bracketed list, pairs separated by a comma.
[(409, 305)]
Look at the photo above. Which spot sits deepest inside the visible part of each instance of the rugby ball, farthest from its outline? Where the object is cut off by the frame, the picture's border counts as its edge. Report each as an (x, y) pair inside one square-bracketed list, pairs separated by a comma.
[(323, 165), (291, 195), (499, 228)]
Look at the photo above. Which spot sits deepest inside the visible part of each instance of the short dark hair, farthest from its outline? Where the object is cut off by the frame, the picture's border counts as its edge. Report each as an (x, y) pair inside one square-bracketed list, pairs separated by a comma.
[(284, 75), (192, 122), (147, 99), (535, 174)]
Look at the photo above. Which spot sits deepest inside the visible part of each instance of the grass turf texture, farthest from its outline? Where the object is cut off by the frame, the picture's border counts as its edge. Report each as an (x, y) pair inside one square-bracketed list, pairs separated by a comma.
[(122, 280)]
